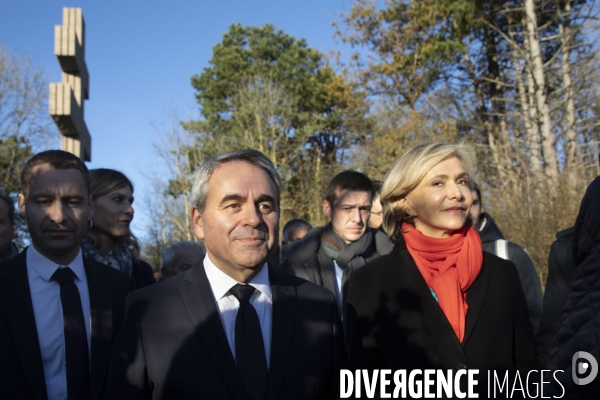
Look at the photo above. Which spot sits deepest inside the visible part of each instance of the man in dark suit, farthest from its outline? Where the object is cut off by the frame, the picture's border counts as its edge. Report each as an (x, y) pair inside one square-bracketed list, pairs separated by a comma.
[(231, 327), (59, 313)]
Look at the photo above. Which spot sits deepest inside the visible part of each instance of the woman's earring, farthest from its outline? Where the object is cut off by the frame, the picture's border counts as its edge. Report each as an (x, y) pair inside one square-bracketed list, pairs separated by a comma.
[(91, 223)]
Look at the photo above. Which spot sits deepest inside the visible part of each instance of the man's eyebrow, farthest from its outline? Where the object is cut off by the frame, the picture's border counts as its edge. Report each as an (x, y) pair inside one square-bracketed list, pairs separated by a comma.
[(73, 197), (232, 197), (265, 197)]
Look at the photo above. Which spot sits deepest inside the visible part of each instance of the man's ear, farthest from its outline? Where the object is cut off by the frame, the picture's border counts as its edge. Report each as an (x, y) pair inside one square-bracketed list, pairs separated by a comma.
[(164, 272), (197, 225), (21, 201), (327, 209)]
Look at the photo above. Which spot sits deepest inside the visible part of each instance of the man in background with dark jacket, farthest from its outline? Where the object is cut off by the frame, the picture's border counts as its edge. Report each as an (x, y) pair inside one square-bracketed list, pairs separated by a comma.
[(561, 268), (576, 345), (295, 229), (327, 255), (494, 242)]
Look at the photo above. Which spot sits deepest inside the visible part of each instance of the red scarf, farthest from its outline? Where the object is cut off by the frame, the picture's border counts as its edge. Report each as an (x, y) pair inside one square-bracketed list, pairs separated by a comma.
[(449, 266)]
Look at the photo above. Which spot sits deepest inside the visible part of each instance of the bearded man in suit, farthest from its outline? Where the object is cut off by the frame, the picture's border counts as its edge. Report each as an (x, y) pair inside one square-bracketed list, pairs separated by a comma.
[(232, 326), (59, 312)]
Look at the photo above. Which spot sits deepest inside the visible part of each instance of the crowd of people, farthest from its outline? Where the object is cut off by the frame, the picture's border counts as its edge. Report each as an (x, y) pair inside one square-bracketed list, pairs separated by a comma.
[(408, 274)]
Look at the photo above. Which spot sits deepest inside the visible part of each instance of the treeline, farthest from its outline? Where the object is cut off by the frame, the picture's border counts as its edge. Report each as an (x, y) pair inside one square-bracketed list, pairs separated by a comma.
[(25, 125), (517, 80)]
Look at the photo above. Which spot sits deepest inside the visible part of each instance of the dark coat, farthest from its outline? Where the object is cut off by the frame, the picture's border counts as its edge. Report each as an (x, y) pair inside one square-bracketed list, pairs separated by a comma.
[(393, 321), (142, 274), (301, 258), (561, 268), (12, 252), (21, 368), (173, 345), (579, 328), (490, 235)]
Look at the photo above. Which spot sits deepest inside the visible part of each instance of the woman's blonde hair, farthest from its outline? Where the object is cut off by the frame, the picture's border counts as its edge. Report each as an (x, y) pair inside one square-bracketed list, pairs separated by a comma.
[(406, 174), (103, 181)]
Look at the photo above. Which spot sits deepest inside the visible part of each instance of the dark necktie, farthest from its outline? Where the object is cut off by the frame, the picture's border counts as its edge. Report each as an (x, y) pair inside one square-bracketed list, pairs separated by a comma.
[(249, 346), (76, 347)]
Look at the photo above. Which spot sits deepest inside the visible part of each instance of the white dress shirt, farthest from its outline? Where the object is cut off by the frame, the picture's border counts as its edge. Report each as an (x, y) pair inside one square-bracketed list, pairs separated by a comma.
[(228, 305), (339, 274), (47, 309)]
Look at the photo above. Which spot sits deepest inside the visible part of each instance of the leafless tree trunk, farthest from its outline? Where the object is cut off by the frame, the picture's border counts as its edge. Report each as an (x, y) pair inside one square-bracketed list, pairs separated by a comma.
[(536, 64), (570, 132)]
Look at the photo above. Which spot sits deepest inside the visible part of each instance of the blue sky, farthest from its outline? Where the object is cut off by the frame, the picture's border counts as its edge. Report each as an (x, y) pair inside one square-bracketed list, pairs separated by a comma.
[(141, 56)]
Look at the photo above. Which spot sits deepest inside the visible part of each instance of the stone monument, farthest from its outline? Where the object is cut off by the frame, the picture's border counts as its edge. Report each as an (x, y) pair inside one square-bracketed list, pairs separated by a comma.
[(66, 97)]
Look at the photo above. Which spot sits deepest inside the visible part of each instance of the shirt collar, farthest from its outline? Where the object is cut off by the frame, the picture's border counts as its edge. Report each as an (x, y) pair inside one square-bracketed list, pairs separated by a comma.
[(46, 268), (220, 282)]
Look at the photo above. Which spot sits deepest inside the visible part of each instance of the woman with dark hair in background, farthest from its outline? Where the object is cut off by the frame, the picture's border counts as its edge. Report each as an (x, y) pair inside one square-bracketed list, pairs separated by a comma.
[(109, 239), (437, 301)]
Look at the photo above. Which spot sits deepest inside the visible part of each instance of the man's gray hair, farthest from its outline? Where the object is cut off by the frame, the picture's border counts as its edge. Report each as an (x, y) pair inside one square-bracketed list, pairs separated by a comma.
[(205, 171), (169, 253)]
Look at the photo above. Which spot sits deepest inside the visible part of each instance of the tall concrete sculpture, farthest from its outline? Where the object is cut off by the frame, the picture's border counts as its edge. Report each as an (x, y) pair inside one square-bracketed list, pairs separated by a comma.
[(66, 98)]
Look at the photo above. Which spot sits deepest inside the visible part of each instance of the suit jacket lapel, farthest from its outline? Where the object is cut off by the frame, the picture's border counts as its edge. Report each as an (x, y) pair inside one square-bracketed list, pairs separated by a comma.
[(102, 325), (19, 313), (328, 278), (284, 314), (475, 298), (199, 301)]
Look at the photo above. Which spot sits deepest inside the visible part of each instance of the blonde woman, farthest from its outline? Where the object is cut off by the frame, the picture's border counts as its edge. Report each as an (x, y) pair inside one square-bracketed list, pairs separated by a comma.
[(437, 301), (109, 239)]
